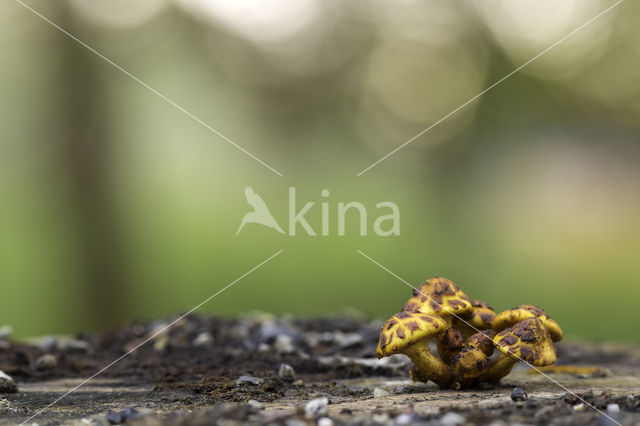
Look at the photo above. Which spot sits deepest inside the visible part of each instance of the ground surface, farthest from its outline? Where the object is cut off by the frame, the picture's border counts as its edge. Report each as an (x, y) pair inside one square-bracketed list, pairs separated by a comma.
[(192, 375)]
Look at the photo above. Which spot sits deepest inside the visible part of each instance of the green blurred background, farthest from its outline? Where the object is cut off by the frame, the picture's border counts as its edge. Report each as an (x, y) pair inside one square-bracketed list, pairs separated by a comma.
[(116, 206)]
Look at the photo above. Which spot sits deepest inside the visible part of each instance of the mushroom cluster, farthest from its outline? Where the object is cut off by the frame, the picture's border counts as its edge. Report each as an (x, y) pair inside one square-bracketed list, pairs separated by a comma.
[(466, 332)]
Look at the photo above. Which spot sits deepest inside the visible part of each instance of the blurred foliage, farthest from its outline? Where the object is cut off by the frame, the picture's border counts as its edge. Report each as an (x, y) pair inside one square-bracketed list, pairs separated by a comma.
[(116, 206)]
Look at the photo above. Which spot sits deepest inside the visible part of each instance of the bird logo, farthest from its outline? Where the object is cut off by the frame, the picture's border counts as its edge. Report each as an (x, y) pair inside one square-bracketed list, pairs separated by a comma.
[(260, 213)]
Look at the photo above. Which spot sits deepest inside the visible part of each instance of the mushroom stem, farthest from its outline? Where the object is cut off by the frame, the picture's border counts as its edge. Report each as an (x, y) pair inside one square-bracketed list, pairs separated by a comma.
[(428, 367), (450, 344), (499, 367)]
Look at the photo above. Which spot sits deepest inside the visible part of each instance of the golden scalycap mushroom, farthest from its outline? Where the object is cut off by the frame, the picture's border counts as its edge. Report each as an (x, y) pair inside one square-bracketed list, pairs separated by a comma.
[(409, 333), (406, 328), (508, 318), (483, 341), (468, 365), (439, 296), (528, 341)]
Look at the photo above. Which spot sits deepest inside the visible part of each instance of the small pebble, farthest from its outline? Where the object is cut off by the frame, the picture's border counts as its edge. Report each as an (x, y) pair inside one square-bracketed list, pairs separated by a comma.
[(284, 344), (303, 354), (345, 340), (298, 382), (380, 418), (7, 384), (239, 331), (316, 408), (129, 412), (203, 339), (249, 380), (578, 407), (46, 361), (519, 395), (115, 417), (404, 419), (161, 342), (6, 332), (378, 393), (72, 345), (452, 419), (271, 328), (325, 421), (613, 408), (119, 417), (255, 405), (48, 343), (286, 371)]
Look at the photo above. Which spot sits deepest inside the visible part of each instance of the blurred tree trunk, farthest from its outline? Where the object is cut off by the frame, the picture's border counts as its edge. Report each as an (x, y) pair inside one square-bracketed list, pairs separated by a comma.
[(86, 156)]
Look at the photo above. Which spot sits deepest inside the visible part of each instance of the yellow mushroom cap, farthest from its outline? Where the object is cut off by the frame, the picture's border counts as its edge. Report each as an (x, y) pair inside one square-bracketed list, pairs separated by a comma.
[(438, 296), (508, 318), (479, 318), (406, 328), (528, 341), (469, 363)]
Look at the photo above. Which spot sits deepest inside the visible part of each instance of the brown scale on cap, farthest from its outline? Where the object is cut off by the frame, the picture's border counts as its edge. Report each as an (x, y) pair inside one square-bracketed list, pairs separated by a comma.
[(439, 296), (409, 333), (508, 318)]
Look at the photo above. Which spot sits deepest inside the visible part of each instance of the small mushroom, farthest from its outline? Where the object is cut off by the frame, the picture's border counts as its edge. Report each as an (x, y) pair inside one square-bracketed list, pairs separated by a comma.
[(479, 318), (482, 341), (508, 318), (409, 333), (528, 340), (439, 296), (450, 344), (468, 367)]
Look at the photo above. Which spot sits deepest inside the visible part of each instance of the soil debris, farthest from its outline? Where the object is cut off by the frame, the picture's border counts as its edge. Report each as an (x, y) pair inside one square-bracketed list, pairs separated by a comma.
[(7, 384), (323, 371)]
